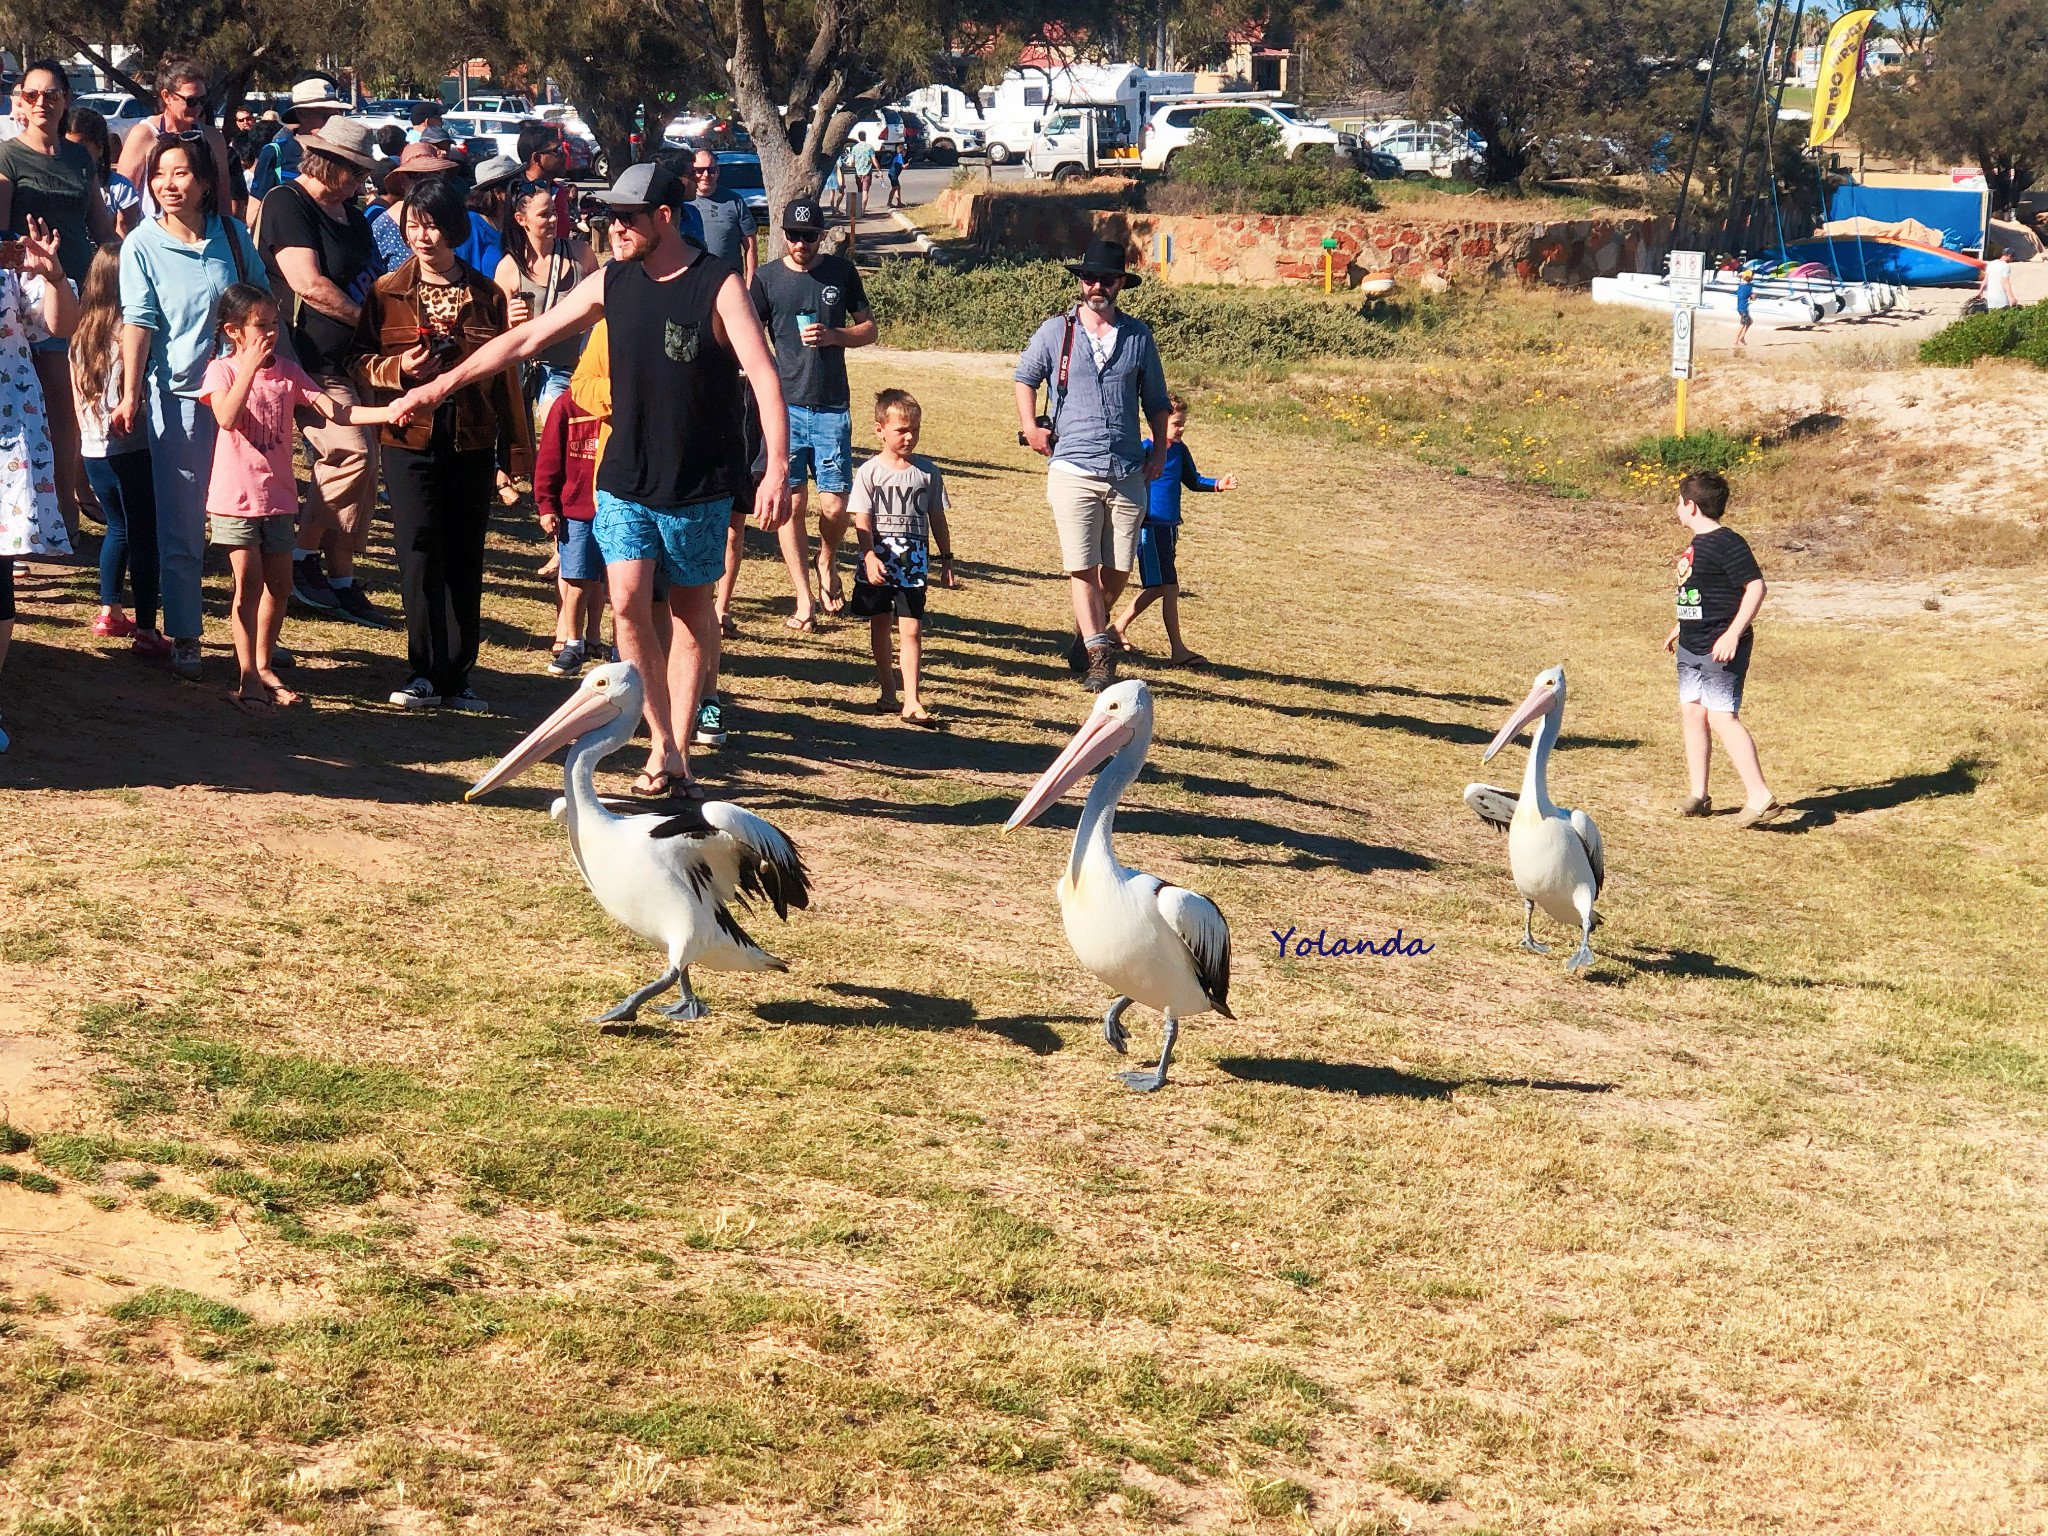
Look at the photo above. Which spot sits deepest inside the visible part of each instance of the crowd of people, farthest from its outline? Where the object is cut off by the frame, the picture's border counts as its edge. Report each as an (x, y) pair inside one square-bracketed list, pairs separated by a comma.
[(182, 317)]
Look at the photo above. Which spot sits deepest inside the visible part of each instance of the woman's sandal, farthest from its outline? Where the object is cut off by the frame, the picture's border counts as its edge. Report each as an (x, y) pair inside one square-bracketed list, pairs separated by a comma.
[(727, 629), (926, 722), (260, 707), (803, 626), (665, 785)]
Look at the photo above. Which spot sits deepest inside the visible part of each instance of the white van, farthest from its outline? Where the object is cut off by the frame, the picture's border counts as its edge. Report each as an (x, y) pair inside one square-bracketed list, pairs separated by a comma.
[(1173, 126), (1010, 114)]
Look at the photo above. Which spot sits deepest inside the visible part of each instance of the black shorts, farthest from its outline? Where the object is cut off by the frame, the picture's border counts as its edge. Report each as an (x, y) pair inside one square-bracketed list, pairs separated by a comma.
[(872, 602)]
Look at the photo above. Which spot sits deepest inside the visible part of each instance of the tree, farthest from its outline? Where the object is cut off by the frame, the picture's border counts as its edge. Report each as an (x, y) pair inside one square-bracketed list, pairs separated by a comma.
[(1978, 91)]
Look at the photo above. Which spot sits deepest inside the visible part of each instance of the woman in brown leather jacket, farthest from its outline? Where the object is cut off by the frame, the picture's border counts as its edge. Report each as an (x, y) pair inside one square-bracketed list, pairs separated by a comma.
[(440, 471)]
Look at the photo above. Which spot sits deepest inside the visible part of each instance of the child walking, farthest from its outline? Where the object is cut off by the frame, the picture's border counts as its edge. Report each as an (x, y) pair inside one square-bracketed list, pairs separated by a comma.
[(898, 500), (1720, 590), (565, 495), (252, 501), (1159, 539), (117, 468)]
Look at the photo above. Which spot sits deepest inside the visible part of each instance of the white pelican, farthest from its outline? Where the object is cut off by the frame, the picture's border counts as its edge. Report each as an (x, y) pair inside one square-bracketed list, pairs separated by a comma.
[(1154, 943), (665, 872), (1555, 854)]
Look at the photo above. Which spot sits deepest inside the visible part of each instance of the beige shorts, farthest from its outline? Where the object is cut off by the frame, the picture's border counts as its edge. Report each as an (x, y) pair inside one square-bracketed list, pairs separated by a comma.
[(274, 535), (1098, 520)]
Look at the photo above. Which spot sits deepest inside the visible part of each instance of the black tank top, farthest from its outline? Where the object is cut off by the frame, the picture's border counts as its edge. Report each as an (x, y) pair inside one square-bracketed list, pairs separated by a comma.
[(676, 417)]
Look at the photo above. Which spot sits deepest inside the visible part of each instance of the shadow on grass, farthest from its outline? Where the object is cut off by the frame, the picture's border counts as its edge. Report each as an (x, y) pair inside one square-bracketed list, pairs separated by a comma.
[(1960, 777), (900, 1009), (1655, 960), (1379, 1082)]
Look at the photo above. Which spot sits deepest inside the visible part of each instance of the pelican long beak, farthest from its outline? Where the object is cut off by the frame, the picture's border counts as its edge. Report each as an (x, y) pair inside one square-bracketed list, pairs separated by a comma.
[(1100, 738), (1542, 699), (586, 711)]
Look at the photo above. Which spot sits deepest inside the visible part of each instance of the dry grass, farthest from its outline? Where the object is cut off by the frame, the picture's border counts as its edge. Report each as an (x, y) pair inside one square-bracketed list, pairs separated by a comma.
[(1742, 1232)]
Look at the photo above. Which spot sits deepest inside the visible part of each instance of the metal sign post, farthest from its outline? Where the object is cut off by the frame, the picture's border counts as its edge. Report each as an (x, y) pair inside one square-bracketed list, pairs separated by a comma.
[(1329, 246), (1681, 357)]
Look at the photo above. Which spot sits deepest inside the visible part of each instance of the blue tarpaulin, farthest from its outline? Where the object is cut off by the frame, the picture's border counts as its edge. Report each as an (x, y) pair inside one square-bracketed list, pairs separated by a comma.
[(1958, 215)]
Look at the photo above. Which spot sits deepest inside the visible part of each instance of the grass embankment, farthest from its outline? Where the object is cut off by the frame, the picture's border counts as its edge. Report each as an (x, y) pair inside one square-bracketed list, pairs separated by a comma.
[(1536, 386), (1744, 1230)]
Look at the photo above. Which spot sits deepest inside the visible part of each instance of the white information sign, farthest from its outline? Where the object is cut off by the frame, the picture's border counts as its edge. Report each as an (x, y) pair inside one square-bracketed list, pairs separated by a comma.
[(1687, 277), (1681, 342)]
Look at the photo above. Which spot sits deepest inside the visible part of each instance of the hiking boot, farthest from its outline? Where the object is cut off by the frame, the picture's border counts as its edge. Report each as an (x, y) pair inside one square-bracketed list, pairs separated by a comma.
[(1696, 805), (710, 730), (1077, 657), (568, 660), (356, 606), (309, 584), (1101, 668), (185, 660), (417, 694), (466, 701)]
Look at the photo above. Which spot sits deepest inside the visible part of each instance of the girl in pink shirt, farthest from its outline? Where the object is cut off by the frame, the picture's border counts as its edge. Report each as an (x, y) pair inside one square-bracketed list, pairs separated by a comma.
[(252, 498)]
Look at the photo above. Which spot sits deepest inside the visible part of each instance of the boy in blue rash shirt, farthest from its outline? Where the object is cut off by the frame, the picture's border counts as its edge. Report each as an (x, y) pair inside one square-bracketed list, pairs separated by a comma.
[(1159, 538)]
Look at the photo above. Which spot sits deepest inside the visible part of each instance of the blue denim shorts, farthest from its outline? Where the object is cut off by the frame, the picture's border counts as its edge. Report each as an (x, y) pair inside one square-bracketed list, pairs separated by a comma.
[(821, 448), (686, 543), (582, 560)]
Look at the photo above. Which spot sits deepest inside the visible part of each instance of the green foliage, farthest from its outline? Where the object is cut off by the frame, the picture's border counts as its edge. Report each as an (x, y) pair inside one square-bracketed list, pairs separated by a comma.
[(12, 1139), (995, 306), (162, 1301), (2020, 332), (1274, 1498), (180, 1207), (1234, 158), (39, 1183), (1702, 448)]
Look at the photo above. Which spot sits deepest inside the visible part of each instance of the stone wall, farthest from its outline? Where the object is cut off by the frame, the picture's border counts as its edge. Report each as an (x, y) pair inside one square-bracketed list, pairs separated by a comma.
[(1266, 250)]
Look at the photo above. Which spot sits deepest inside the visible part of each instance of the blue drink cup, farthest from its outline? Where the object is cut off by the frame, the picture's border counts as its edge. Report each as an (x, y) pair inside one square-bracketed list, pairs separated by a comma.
[(805, 318)]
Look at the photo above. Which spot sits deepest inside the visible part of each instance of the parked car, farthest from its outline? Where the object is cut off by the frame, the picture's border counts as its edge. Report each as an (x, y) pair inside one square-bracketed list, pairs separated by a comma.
[(880, 126), (121, 110), (1377, 165), (685, 129), (1173, 127), (1430, 149), (742, 174), (946, 146), (501, 128), (504, 106)]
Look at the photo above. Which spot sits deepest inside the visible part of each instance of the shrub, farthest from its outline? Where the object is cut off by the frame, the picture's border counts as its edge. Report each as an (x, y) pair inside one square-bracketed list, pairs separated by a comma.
[(1702, 448), (1233, 163), (994, 307), (2020, 332)]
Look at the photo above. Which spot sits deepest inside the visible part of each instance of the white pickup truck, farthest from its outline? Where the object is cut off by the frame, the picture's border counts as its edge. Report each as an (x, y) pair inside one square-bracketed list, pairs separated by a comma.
[(1085, 141)]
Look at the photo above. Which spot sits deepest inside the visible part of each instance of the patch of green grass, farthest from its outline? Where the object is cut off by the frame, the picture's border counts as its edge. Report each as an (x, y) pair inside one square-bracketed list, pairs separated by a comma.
[(40, 1183), (13, 1139), (174, 1207), (1423, 1487), (160, 1302)]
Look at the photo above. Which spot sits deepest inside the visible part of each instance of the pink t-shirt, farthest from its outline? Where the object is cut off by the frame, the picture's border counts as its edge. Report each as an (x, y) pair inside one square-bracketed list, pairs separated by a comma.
[(252, 465)]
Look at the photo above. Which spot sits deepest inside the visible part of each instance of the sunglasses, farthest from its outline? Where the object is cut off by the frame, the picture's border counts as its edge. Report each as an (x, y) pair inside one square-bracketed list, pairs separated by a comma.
[(36, 98), (1095, 280), (703, 170), (797, 237), (192, 103)]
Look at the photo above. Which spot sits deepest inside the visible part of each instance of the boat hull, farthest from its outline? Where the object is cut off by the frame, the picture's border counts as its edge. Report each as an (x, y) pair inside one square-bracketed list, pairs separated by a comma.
[(1875, 259)]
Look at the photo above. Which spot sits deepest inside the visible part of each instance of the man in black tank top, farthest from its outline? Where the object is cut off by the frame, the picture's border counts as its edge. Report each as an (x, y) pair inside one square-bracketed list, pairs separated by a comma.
[(682, 328)]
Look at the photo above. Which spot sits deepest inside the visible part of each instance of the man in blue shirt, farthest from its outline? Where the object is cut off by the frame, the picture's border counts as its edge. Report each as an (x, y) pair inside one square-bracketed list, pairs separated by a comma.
[(1104, 379)]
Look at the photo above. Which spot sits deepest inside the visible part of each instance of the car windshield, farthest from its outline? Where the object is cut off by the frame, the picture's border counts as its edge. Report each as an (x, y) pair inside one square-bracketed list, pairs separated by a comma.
[(740, 175), (1287, 111)]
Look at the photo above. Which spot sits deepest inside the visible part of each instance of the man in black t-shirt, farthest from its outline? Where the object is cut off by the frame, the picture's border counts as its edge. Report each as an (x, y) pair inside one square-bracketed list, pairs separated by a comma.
[(680, 329), (322, 260), (814, 308), (1719, 592)]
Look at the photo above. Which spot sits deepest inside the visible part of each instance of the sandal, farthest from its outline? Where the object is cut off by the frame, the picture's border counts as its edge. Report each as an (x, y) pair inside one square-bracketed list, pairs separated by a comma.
[(1192, 659), (653, 786), (803, 626), (924, 722), (259, 707), (727, 629)]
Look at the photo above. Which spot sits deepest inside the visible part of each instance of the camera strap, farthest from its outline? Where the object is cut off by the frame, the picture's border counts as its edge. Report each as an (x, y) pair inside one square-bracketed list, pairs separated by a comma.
[(1066, 365)]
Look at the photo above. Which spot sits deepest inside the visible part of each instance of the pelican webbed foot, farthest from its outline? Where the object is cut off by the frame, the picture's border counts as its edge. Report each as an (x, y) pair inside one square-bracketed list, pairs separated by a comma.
[(1528, 931), (1583, 958), (1529, 943), (688, 1006), (629, 1007), (1153, 1081), (1113, 1027)]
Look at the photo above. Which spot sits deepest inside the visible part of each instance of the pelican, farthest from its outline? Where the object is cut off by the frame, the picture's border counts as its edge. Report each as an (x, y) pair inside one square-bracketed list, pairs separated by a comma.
[(1153, 943), (668, 872), (1555, 854)]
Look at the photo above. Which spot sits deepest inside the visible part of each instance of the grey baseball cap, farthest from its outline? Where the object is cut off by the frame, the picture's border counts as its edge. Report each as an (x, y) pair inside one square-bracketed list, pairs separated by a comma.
[(646, 185), (498, 168)]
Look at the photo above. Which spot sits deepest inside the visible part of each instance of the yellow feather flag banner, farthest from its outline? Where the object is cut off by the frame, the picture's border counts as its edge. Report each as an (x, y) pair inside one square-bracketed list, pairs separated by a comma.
[(1836, 87)]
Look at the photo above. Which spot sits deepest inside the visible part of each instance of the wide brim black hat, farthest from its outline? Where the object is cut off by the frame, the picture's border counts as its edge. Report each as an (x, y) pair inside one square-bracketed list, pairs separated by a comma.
[(1106, 258)]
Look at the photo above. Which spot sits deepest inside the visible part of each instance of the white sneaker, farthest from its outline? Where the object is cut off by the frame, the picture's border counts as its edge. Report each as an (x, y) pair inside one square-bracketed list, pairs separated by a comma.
[(466, 701), (417, 694)]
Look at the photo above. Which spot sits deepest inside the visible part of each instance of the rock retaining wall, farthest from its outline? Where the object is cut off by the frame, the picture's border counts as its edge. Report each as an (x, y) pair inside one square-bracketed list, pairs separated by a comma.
[(1266, 250)]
